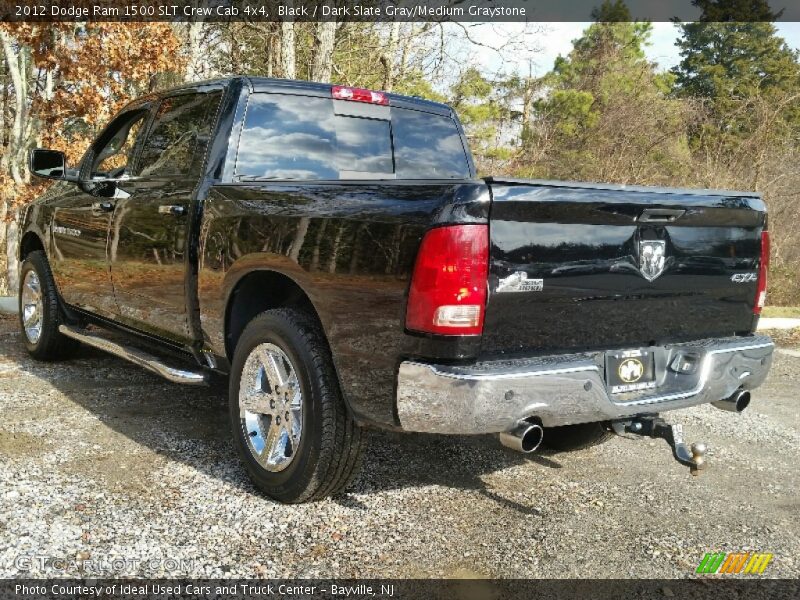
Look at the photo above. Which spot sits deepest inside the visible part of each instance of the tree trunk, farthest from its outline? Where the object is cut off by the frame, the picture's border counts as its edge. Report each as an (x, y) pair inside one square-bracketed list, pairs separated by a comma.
[(388, 58), (318, 242), (325, 36), (288, 69), (335, 252), (197, 66), (17, 70), (299, 239)]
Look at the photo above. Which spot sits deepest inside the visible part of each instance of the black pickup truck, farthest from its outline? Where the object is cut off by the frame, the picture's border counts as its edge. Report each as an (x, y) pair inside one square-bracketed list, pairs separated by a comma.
[(332, 250)]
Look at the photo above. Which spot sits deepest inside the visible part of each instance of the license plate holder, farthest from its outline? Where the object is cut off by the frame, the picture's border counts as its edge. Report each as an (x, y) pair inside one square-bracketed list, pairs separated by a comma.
[(630, 370)]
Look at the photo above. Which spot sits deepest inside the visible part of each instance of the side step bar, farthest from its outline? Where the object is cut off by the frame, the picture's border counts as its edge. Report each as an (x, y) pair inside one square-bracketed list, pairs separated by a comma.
[(136, 356)]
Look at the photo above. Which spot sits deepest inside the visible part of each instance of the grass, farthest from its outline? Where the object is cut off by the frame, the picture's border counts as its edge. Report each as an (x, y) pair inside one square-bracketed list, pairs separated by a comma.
[(781, 311)]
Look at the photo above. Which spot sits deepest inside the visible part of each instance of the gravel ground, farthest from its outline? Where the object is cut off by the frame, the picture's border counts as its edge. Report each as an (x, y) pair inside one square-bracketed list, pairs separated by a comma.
[(99, 461)]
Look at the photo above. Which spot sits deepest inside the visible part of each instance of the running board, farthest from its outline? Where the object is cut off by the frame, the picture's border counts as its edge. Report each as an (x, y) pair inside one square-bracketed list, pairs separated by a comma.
[(136, 356)]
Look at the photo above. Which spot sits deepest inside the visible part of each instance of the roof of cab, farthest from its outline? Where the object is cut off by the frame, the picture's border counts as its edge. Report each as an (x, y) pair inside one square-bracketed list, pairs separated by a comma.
[(311, 88), (304, 88)]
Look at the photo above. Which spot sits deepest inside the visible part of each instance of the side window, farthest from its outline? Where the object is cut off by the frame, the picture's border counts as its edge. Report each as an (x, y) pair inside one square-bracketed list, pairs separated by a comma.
[(177, 140), (116, 148)]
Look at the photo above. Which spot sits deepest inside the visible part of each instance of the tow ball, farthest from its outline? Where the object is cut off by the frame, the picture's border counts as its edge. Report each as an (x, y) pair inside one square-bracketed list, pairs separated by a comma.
[(654, 426)]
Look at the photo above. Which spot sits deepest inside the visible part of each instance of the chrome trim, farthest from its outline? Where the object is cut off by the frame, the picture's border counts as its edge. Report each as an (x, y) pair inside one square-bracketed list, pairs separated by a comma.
[(271, 407), (32, 307), (526, 437), (136, 356), (562, 390)]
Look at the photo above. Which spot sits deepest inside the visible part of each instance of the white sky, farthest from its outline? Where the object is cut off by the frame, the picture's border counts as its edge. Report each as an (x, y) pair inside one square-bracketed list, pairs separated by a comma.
[(553, 39)]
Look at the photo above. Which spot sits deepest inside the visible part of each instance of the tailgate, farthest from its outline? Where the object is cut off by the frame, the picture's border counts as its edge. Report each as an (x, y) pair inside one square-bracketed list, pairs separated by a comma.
[(576, 266)]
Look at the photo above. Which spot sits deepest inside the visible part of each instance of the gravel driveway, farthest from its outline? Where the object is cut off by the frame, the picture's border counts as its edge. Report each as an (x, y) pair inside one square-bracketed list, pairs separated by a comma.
[(100, 460)]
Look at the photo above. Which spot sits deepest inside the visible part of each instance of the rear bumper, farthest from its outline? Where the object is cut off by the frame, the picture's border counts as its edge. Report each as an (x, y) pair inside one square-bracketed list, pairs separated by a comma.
[(490, 397)]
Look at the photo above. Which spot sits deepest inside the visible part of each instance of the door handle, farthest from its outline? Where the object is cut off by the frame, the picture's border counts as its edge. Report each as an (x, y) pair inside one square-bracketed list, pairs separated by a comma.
[(103, 206), (171, 209), (661, 215)]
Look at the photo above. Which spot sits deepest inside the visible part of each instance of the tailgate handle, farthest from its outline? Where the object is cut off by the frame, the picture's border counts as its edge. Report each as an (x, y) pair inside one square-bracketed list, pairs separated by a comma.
[(661, 215)]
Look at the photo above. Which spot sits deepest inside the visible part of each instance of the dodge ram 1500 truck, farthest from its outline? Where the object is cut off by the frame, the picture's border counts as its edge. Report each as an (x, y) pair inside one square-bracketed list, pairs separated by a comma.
[(332, 250)]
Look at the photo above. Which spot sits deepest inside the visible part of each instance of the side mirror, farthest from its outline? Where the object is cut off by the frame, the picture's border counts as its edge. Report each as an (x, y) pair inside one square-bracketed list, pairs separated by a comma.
[(49, 164)]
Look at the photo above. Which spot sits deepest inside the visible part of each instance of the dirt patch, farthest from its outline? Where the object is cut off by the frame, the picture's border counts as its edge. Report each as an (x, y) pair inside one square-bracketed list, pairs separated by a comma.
[(19, 443)]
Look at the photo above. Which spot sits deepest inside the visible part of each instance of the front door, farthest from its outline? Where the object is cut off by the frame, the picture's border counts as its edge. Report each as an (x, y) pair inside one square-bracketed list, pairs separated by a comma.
[(82, 216), (149, 236)]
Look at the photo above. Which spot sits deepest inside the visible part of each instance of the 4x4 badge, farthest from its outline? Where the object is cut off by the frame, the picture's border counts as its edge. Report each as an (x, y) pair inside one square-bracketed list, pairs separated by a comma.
[(652, 257)]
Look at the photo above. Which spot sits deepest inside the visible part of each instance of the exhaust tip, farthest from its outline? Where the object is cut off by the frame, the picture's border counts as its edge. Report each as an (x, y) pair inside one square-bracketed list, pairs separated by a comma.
[(743, 401), (736, 402), (526, 437)]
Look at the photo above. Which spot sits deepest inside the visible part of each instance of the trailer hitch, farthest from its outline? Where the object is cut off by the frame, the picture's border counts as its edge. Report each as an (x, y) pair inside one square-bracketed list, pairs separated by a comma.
[(654, 426)]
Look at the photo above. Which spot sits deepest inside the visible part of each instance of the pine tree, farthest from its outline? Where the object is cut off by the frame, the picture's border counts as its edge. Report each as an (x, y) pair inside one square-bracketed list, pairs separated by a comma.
[(733, 55), (605, 113)]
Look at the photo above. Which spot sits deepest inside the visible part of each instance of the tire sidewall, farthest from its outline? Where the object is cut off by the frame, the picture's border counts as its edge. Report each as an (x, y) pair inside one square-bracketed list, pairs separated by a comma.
[(49, 321), (288, 483)]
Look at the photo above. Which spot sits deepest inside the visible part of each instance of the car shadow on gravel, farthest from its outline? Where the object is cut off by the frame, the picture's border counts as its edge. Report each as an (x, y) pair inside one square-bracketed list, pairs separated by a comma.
[(190, 425)]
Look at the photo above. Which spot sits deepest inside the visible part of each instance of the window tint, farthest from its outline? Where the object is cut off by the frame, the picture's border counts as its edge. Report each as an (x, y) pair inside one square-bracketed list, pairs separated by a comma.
[(363, 146), (427, 146), (288, 137), (299, 137), (113, 158), (177, 139)]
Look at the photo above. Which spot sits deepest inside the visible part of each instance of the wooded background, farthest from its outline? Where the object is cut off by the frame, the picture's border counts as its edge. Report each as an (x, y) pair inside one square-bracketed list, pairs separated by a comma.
[(728, 116)]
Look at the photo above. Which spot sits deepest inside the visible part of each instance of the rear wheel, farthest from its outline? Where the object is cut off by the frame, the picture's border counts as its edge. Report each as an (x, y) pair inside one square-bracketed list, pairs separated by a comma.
[(575, 437), (292, 429), (40, 312)]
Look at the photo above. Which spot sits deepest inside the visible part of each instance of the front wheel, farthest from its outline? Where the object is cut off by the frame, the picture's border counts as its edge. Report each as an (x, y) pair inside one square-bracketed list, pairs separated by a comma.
[(292, 429), (40, 311)]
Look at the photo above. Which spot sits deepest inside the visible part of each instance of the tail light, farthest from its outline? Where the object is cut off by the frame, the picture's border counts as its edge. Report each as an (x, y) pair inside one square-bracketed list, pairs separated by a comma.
[(340, 92), (448, 287), (763, 267)]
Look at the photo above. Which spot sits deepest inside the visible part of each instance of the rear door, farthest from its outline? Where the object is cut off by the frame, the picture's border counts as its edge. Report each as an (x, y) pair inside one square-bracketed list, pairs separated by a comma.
[(576, 267), (149, 235)]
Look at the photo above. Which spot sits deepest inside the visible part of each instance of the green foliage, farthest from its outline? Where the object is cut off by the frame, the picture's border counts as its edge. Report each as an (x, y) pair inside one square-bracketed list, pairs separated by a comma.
[(605, 112), (415, 84), (482, 107), (729, 64), (572, 110)]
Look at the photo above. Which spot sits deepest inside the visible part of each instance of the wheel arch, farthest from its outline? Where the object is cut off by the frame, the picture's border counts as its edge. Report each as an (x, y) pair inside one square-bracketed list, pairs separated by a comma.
[(262, 289), (31, 241), (258, 290)]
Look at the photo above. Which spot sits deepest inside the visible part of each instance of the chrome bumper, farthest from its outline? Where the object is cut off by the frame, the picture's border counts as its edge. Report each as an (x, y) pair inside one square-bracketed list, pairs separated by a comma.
[(490, 397)]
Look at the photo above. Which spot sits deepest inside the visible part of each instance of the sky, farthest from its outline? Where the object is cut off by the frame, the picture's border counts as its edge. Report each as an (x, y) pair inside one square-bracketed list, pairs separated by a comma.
[(553, 39)]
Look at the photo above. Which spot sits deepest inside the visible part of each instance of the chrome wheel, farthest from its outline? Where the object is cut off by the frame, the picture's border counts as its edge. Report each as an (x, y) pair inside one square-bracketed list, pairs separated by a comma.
[(31, 306), (271, 407)]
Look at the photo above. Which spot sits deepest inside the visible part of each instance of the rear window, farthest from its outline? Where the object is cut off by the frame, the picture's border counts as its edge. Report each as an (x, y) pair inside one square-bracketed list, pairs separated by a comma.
[(300, 137)]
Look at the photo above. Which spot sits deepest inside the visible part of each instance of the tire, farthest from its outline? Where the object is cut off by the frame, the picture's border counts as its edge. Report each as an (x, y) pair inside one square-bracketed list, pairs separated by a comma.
[(43, 341), (575, 437), (321, 458)]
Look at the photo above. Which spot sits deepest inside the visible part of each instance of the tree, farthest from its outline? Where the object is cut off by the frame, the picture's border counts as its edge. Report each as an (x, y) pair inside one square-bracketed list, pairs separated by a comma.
[(479, 104), (726, 62), (604, 113), (746, 82), (65, 81)]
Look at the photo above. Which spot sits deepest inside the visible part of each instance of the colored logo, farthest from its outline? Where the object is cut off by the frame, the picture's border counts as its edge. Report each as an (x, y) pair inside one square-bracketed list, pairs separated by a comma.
[(733, 563), (631, 370)]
